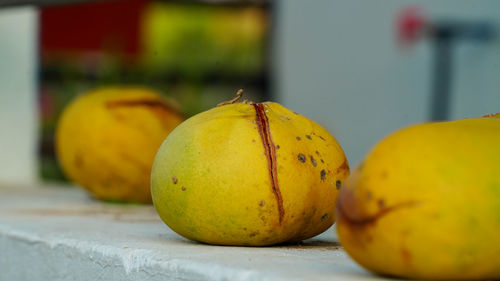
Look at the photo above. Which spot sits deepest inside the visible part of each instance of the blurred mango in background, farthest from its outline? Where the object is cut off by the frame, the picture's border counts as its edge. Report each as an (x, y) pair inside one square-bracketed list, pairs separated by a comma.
[(107, 139)]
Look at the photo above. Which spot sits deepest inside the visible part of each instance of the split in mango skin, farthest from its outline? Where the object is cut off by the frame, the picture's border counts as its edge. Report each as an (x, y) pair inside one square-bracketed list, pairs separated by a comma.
[(425, 203), (249, 174), (106, 141)]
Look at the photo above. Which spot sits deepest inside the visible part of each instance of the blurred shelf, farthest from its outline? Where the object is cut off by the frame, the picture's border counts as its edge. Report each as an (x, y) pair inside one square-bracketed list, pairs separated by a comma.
[(59, 233), (261, 80)]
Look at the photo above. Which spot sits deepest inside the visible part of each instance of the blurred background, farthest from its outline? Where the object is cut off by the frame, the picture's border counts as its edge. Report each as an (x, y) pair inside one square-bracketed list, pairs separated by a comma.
[(362, 69)]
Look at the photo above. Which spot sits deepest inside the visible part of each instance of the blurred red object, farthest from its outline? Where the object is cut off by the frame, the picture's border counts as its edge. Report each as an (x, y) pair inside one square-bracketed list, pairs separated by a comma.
[(411, 23), (92, 27)]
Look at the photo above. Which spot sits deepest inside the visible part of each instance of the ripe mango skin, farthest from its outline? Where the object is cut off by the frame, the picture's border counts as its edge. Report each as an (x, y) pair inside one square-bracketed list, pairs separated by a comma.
[(425, 203), (211, 180), (106, 141)]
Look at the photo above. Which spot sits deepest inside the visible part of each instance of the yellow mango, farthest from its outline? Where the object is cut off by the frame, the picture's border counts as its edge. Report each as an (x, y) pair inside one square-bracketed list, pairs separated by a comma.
[(248, 174), (425, 202), (106, 141)]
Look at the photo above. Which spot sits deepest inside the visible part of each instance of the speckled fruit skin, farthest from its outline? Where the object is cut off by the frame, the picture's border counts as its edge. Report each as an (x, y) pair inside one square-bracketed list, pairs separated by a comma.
[(106, 141), (248, 174), (425, 203)]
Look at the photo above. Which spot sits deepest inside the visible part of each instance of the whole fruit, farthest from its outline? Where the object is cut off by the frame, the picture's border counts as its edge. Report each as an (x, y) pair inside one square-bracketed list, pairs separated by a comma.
[(106, 141), (425, 203), (248, 174)]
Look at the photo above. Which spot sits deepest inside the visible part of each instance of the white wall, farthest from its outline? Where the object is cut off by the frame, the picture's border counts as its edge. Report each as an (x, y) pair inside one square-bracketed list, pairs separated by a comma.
[(18, 41), (337, 62)]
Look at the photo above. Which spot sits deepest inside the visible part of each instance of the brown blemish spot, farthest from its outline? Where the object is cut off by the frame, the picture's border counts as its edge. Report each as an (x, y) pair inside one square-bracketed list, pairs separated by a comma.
[(308, 136), (183, 188), (78, 161), (321, 138), (253, 140), (317, 153), (381, 203), (323, 174), (244, 228), (301, 157), (174, 180), (343, 167), (270, 150), (298, 138), (360, 166), (324, 217), (338, 184), (322, 161), (262, 203), (253, 234), (313, 161), (406, 255), (278, 146)]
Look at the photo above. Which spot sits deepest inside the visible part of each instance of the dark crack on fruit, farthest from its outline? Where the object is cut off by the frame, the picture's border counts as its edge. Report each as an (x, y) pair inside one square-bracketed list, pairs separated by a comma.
[(324, 217), (160, 109), (321, 138), (308, 136), (174, 180), (369, 219), (313, 161), (148, 103), (301, 157), (270, 151), (323, 175)]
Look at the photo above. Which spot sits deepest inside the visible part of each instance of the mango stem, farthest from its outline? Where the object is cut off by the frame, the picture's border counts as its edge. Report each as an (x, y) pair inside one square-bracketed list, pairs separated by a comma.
[(239, 94)]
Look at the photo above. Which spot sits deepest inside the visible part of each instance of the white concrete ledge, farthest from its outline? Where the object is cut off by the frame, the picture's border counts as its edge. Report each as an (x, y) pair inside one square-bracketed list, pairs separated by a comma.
[(58, 233)]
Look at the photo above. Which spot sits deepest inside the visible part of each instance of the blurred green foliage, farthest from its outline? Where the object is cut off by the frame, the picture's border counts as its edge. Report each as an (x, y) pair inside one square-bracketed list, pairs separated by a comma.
[(196, 54)]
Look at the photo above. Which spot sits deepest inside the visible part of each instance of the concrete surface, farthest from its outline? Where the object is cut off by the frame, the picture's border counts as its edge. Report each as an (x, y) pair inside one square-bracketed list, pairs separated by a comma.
[(59, 233)]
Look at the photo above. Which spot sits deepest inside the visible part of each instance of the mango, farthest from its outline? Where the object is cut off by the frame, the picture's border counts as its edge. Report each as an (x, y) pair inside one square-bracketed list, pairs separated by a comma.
[(106, 140), (425, 202), (248, 174)]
